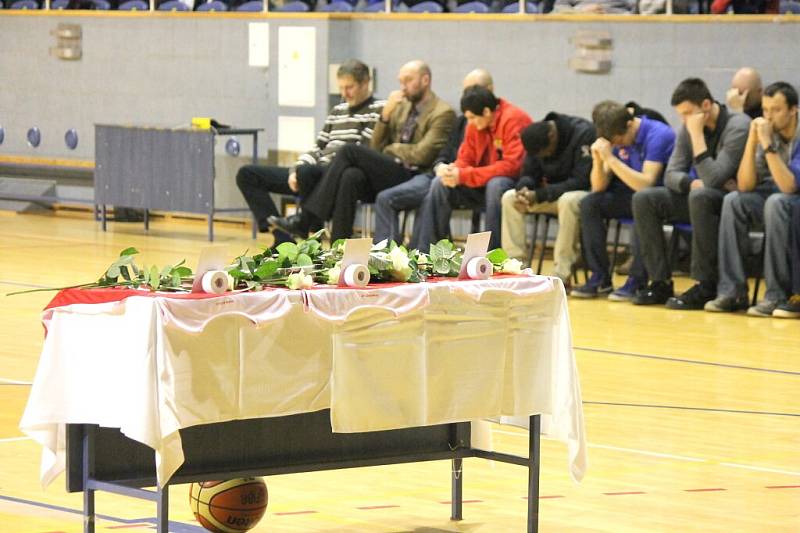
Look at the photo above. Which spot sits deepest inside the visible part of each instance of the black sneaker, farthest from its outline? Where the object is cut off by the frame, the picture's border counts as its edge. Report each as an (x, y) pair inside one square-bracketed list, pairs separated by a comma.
[(294, 225), (658, 292), (693, 299)]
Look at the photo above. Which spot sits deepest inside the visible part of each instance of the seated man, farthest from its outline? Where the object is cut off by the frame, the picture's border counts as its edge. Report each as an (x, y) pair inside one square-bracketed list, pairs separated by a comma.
[(488, 164), (555, 178), (768, 182), (351, 121), (413, 127), (791, 308), (409, 195), (745, 93), (629, 155), (700, 172)]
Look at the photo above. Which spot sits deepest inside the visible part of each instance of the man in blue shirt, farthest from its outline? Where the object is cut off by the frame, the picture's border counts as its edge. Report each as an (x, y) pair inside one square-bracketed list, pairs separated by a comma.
[(768, 181), (629, 155)]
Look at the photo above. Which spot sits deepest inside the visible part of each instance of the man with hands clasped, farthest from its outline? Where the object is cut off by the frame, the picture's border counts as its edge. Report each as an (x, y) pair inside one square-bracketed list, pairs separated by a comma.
[(768, 181), (700, 172), (629, 155)]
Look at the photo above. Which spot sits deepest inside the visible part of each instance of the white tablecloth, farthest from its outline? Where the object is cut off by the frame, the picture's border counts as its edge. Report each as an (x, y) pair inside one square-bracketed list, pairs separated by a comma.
[(379, 358)]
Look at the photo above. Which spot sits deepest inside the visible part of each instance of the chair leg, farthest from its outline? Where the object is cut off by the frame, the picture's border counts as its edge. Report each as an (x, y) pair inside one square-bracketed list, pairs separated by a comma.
[(476, 220), (614, 249), (534, 238), (544, 243)]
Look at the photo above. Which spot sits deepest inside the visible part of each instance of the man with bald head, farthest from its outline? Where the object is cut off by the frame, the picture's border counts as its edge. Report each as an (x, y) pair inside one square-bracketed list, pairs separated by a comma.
[(413, 127), (409, 195), (744, 96)]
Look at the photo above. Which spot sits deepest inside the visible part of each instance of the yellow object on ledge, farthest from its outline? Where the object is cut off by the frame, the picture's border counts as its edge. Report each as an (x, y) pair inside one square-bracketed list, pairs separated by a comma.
[(203, 123)]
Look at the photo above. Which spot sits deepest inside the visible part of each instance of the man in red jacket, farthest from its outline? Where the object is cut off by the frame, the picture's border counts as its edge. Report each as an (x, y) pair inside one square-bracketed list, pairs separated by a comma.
[(488, 164)]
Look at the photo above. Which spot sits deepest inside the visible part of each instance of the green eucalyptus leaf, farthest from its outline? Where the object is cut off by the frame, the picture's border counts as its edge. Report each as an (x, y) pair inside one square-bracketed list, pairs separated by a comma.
[(125, 273), (128, 251), (176, 279), (267, 269), (182, 271), (441, 266), (497, 256), (155, 280), (303, 260), (113, 272), (235, 273)]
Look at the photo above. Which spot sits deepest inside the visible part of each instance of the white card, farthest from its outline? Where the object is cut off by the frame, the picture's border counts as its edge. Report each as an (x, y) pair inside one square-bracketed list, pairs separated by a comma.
[(477, 246), (356, 252)]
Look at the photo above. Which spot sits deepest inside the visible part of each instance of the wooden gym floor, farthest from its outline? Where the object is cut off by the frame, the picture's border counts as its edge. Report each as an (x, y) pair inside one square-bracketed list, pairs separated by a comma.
[(693, 419)]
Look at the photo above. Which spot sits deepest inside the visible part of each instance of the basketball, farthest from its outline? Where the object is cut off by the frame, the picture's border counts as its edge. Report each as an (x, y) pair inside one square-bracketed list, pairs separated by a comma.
[(229, 506)]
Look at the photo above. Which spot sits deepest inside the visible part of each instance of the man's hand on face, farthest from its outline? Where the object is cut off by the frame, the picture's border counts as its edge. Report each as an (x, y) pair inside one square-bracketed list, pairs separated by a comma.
[(763, 129), (292, 181), (392, 101), (735, 99), (602, 148), (694, 123)]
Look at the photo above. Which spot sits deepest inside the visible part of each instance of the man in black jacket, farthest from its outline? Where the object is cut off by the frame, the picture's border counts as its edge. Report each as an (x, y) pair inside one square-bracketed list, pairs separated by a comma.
[(555, 178)]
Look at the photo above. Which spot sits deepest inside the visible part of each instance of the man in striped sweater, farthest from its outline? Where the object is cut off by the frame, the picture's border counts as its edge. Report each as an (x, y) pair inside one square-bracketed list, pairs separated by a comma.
[(350, 122)]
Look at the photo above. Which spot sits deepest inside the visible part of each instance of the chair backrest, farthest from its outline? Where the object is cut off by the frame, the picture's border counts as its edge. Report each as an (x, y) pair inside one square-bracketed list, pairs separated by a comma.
[(789, 6), (375, 6), (59, 4), (428, 6), (253, 6)]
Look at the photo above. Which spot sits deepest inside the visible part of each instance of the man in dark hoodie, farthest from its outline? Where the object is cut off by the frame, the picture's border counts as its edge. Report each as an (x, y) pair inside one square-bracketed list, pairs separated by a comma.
[(555, 177)]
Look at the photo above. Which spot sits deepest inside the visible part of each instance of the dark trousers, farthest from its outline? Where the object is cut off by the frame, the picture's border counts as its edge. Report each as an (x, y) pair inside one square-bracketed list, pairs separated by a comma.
[(257, 182), (356, 173), (656, 206), (596, 208), (794, 246)]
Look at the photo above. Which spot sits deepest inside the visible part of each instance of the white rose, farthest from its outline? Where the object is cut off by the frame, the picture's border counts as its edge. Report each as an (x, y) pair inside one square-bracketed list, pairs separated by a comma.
[(512, 266), (401, 270), (295, 281), (333, 275), (308, 281), (422, 259)]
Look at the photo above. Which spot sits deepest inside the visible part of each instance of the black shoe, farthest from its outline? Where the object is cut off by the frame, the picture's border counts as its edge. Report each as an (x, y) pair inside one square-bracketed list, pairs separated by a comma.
[(263, 225), (293, 225), (658, 292), (693, 299)]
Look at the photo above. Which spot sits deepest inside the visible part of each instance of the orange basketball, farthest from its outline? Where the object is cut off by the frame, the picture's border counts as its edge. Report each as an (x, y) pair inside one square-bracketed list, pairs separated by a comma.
[(229, 506)]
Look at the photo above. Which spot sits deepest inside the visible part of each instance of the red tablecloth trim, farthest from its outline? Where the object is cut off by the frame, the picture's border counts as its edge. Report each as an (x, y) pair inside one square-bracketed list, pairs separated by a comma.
[(106, 295)]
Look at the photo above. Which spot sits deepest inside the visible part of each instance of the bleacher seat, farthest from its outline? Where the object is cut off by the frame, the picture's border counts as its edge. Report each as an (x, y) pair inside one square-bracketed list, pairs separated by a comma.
[(24, 4), (338, 6), (530, 7), (295, 6), (475, 6), (789, 6), (59, 4), (133, 5), (173, 5), (252, 6), (100, 5), (426, 7), (375, 6), (213, 5)]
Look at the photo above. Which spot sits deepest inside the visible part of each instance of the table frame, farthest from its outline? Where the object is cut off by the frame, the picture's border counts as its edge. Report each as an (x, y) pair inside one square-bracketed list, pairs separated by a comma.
[(102, 459)]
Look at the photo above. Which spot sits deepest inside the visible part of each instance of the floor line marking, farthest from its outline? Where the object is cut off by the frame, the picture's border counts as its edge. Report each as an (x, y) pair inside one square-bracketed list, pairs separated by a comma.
[(762, 469), (688, 408), (623, 493), (704, 490), (15, 439), (782, 487), (691, 361), (6, 381), (652, 454)]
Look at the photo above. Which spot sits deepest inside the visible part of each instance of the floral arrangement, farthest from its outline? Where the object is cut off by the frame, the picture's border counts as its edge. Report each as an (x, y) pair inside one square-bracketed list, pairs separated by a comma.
[(299, 265)]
